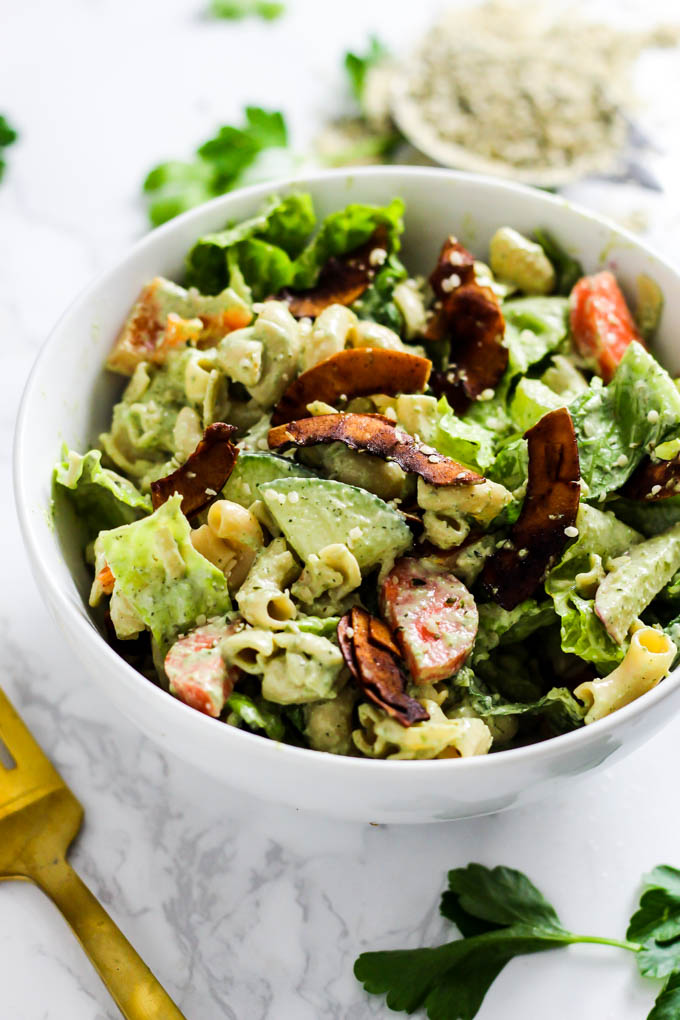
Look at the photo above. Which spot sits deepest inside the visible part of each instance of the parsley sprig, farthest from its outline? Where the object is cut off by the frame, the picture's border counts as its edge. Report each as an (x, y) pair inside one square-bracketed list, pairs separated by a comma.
[(501, 914), (7, 136), (234, 10), (219, 165)]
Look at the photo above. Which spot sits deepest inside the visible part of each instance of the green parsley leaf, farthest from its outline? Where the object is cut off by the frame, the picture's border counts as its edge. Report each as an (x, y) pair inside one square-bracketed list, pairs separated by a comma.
[(234, 10), (358, 66), (218, 166), (501, 914), (500, 896), (452, 980), (667, 1005), (656, 923), (7, 136)]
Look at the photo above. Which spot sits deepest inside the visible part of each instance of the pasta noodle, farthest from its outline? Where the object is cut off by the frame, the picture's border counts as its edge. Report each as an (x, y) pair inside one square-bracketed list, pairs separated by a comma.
[(482, 502), (261, 598), (647, 661), (329, 335), (437, 737), (334, 573)]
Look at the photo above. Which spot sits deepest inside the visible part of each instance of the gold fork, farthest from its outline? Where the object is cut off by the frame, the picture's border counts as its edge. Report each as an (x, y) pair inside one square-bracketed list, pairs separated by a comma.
[(39, 819)]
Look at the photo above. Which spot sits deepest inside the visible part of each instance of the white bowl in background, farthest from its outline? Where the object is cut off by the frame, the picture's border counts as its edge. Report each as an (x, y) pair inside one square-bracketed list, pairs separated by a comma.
[(69, 398)]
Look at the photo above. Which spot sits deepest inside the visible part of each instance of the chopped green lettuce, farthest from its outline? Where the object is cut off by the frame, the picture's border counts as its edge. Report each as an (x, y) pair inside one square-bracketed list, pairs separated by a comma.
[(498, 626), (270, 247), (619, 424), (101, 497), (558, 707), (264, 247), (464, 441), (649, 517), (534, 327), (166, 582), (600, 537), (511, 466), (377, 302), (532, 399), (567, 269), (257, 714), (345, 230)]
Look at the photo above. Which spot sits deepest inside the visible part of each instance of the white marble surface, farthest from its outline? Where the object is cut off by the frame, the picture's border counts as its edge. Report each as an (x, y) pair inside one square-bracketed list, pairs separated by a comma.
[(247, 910)]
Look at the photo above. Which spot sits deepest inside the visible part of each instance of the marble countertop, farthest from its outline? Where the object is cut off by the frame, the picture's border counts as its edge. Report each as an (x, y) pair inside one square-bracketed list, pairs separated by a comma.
[(247, 910)]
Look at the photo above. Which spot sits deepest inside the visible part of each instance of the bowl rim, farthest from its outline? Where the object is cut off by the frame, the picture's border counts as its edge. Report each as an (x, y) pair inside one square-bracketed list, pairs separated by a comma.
[(554, 747)]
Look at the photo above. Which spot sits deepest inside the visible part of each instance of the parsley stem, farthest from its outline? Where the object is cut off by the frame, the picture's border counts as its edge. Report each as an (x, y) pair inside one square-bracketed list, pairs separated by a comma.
[(633, 947)]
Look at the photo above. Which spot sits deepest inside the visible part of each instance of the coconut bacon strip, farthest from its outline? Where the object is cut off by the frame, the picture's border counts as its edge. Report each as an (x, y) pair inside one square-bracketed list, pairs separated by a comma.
[(654, 480), (468, 315), (204, 472), (358, 372), (375, 434), (342, 279), (373, 660), (548, 515)]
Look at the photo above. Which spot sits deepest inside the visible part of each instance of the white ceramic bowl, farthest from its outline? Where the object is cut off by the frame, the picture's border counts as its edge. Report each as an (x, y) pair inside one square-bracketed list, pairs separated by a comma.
[(69, 398)]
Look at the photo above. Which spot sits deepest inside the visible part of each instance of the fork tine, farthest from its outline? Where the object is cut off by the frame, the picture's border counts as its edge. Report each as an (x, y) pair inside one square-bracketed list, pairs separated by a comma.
[(33, 769)]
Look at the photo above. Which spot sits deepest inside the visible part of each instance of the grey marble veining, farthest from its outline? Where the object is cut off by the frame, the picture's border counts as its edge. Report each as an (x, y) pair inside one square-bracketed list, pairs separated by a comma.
[(248, 910)]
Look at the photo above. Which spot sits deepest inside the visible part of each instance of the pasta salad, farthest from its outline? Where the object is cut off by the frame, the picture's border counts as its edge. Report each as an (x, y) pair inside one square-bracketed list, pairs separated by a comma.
[(384, 516)]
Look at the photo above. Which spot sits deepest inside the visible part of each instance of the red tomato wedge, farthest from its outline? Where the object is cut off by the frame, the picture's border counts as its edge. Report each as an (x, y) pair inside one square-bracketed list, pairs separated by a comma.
[(433, 616), (196, 670), (601, 323)]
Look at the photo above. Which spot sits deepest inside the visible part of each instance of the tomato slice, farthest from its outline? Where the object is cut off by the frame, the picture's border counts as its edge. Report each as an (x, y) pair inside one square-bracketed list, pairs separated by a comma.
[(601, 323)]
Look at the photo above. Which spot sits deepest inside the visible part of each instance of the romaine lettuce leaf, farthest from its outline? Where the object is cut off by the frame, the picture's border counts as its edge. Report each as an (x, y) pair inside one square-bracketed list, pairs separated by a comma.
[(258, 714), (345, 230), (646, 516), (101, 498), (271, 248), (511, 466), (532, 399), (168, 584), (284, 223), (498, 626), (600, 537), (464, 441), (619, 424), (559, 706), (534, 327), (376, 303)]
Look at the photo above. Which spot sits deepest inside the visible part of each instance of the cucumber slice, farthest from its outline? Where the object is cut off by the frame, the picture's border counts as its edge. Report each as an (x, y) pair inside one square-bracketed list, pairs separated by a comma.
[(252, 469), (315, 512)]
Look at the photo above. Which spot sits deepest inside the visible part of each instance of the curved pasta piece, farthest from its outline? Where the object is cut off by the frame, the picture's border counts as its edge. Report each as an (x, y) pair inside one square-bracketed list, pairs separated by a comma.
[(204, 472), (342, 279), (433, 615), (357, 372), (373, 433), (539, 535), (372, 659), (654, 480), (647, 661)]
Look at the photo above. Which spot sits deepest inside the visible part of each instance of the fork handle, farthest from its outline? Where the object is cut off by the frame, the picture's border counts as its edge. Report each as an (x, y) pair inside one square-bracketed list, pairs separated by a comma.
[(135, 990)]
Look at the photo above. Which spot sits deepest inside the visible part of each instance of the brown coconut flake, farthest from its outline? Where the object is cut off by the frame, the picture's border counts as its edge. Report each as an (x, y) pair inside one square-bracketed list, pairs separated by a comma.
[(538, 537), (203, 474), (373, 660), (373, 433), (353, 373)]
